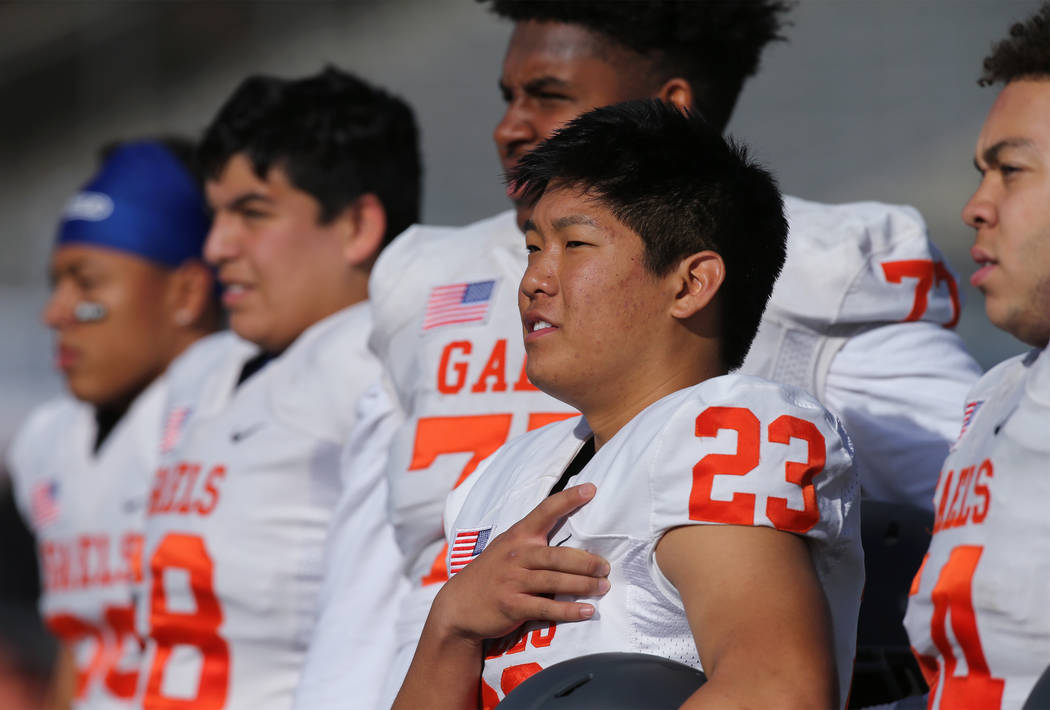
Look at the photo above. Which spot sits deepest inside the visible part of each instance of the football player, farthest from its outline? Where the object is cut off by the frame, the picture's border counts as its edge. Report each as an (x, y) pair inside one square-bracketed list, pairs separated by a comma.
[(706, 517), (129, 292), (860, 317), (978, 620), (307, 179)]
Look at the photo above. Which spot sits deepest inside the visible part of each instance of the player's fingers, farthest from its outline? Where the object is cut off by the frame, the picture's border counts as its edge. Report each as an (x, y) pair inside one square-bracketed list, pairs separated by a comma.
[(552, 508), (565, 559), (534, 608), (548, 582)]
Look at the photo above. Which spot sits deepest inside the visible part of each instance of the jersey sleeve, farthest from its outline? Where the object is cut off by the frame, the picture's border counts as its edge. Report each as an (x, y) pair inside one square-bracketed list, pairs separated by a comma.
[(363, 583), (1028, 426), (758, 454), (23, 456), (863, 263), (900, 389)]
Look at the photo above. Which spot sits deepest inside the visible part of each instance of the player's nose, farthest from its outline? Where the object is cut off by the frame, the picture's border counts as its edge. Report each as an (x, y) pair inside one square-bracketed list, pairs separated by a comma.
[(980, 211), (221, 242), (539, 278), (58, 311), (514, 132)]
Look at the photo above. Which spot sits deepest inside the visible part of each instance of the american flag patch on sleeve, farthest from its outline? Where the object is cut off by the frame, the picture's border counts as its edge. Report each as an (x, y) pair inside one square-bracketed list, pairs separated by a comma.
[(467, 545), (458, 303), (44, 502), (968, 414)]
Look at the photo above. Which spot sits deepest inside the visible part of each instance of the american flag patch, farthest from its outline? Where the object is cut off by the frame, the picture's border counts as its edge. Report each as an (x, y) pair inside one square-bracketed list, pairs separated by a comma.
[(173, 428), (467, 545), (43, 501), (458, 303), (968, 414)]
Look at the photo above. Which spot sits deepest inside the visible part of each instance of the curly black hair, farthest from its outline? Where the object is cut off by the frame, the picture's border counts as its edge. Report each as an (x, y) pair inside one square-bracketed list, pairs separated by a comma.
[(713, 44), (1025, 54), (676, 182), (336, 136)]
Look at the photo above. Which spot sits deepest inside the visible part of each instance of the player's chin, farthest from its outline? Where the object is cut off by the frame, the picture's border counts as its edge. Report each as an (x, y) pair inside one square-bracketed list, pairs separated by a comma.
[(535, 371)]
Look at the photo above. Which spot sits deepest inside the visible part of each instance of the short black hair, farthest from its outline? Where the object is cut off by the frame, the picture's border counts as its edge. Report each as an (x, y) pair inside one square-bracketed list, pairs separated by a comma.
[(674, 180), (1025, 54), (335, 136), (714, 44)]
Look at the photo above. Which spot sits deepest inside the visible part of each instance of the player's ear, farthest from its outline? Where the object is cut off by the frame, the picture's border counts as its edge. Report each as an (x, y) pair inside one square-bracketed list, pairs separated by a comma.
[(698, 277), (677, 91), (191, 288), (363, 227)]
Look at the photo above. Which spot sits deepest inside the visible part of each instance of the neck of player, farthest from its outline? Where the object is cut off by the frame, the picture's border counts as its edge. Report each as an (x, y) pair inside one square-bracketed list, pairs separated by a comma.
[(610, 406)]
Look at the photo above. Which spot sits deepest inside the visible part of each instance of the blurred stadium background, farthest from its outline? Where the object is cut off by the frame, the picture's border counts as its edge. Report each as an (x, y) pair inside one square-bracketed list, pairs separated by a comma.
[(868, 100)]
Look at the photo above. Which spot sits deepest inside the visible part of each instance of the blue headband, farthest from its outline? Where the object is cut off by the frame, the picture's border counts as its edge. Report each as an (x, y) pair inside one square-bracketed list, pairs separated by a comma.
[(141, 201)]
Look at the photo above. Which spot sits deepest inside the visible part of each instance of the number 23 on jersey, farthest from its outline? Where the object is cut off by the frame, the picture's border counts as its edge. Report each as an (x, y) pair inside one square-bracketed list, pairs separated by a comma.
[(740, 509)]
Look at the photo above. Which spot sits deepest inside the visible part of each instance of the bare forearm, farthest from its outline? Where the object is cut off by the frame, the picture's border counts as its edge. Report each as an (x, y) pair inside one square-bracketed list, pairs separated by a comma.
[(732, 686), (444, 674)]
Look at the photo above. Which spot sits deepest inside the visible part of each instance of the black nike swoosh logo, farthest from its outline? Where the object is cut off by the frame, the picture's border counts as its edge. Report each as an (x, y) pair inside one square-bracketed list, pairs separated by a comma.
[(563, 541), (243, 434)]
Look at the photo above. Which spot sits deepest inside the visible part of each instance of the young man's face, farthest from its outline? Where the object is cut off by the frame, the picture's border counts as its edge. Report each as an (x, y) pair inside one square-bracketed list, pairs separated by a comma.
[(1011, 212), (110, 359), (552, 73), (591, 311), (279, 266)]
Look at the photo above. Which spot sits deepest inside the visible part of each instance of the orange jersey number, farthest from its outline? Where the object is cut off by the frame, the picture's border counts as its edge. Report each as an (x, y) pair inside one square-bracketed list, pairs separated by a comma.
[(199, 628), (110, 643), (479, 435), (953, 596), (740, 509), (926, 273)]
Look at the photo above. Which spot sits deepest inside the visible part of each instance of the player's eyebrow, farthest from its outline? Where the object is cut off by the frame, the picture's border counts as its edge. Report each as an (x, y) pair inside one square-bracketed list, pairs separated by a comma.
[(244, 200), (991, 154), (573, 220), (545, 83), (529, 226)]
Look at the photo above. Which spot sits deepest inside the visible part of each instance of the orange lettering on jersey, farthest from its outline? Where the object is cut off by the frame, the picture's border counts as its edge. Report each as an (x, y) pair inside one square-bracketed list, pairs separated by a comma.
[(101, 545), (188, 473), (91, 560), (515, 641), (160, 481), (957, 506), (460, 367), (981, 490), (496, 367), (131, 550), (542, 637), (83, 559), (211, 490), (182, 489), (516, 675), (938, 522), (523, 384), (960, 484)]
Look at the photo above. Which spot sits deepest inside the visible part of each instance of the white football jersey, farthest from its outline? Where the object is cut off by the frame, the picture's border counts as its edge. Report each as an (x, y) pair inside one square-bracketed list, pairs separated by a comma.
[(862, 317), (238, 515), (87, 509), (979, 615), (448, 333), (665, 469)]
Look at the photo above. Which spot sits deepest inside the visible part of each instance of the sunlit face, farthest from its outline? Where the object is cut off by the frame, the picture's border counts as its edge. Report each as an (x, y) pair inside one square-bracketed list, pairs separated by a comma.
[(1011, 212), (591, 312), (280, 267), (108, 361), (552, 73)]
